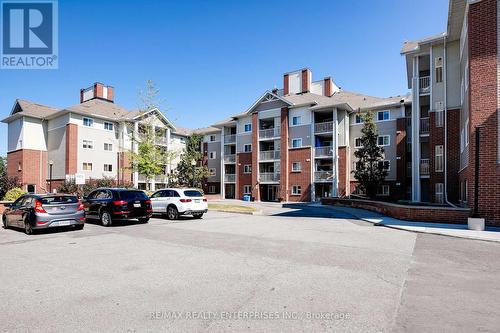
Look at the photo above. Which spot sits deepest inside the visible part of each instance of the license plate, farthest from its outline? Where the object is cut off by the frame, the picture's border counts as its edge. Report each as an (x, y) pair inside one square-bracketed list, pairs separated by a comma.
[(137, 205), (60, 223), (197, 200)]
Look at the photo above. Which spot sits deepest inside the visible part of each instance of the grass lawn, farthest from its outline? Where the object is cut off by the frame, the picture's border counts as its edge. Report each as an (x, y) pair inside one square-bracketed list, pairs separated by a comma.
[(231, 208)]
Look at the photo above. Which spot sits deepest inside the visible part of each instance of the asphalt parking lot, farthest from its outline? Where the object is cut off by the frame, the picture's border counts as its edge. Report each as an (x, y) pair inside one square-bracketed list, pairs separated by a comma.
[(296, 269)]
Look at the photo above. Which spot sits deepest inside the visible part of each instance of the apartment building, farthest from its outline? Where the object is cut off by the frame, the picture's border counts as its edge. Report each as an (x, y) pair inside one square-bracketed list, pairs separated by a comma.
[(297, 143), (454, 77), (47, 145)]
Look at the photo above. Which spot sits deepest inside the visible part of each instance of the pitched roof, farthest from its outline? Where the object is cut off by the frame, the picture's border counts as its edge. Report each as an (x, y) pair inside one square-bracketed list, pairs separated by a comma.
[(100, 108), (27, 108), (182, 131)]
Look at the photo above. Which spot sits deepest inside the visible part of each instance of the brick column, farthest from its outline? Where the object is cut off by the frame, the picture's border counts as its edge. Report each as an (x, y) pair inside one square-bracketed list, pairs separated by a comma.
[(483, 107), (305, 80), (255, 156), (71, 149), (401, 163), (286, 89), (284, 193)]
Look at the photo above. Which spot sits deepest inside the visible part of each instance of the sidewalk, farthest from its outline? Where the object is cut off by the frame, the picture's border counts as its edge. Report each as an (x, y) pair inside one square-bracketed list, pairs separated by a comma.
[(492, 234)]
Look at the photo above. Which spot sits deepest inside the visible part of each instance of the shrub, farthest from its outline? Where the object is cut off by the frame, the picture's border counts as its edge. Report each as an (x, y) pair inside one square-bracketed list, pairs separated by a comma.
[(14, 194), (68, 186)]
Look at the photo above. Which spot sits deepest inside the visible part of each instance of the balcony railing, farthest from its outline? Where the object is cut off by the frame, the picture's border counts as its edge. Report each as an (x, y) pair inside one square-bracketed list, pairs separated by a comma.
[(270, 133), (161, 140), (322, 176), (231, 158), (323, 127), (269, 177), (323, 151), (424, 84), (231, 138), (424, 167), (229, 178), (161, 178), (424, 125), (269, 155)]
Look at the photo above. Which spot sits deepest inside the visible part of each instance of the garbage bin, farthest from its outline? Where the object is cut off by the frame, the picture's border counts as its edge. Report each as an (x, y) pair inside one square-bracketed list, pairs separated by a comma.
[(246, 197)]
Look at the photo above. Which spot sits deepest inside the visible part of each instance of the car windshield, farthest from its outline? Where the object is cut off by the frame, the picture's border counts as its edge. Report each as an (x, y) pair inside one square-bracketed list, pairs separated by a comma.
[(192, 193), (59, 199), (133, 195)]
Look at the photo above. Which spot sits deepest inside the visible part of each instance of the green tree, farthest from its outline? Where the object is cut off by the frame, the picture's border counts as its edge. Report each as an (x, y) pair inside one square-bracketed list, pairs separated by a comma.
[(187, 173), (149, 159), (6, 183), (369, 172)]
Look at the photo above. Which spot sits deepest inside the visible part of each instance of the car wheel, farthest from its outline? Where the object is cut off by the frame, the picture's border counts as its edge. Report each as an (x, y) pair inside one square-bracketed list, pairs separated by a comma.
[(79, 227), (4, 220), (198, 215), (146, 220), (106, 218), (172, 213), (28, 229)]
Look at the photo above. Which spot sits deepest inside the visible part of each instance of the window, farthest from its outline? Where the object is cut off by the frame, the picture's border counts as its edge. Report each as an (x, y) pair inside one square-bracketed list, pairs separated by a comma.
[(358, 143), (358, 119), (384, 165), (108, 147), (88, 144), (296, 143), (296, 190), (296, 167), (439, 158), (383, 115), (357, 165), (383, 140), (248, 127), (211, 189), (466, 132), (247, 189), (439, 69), (439, 114), (212, 155), (383, 190), (439, 198), (247, 148), (108, 126), (247, 168), (88, 122), (87, 166), (212, 172), (297, 120), (108, 167), (212, 138)]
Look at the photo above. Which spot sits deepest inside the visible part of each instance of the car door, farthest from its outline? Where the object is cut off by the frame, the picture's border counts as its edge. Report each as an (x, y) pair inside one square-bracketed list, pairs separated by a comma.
[(25, 209), (13, 214), (156, 202), (164, 200), (89, 204)]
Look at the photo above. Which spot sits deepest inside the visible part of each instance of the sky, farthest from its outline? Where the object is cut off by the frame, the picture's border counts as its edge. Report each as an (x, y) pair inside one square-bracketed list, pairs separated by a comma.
[(212, 59)]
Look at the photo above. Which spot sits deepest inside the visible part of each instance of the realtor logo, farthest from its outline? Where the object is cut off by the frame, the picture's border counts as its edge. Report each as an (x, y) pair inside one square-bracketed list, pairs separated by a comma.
[(29, 35)]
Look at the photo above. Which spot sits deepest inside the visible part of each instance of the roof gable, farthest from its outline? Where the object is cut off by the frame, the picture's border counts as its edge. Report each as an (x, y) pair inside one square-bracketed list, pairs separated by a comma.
[(268, 101), (155, 112)]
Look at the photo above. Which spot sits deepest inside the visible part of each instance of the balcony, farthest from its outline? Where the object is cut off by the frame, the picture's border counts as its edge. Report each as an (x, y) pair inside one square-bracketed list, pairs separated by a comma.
[(326, 151), (269, 177), (323, 176), (270, 133), (323, 127), (229, 178), (424, 167), (424, 125), (161, 178), (161, 140), (229, 138), (269, 155), (424, 84), (231, 158)]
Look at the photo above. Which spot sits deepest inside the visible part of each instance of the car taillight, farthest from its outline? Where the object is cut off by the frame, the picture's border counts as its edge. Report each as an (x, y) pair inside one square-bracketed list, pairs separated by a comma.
[(80, 206), (185, 200), (38, 207), (147, 202), (205, 200), (119, 202)]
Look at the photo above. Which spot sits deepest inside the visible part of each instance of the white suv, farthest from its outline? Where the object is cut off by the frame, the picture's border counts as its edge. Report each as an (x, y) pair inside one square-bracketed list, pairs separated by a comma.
[(179, 201)]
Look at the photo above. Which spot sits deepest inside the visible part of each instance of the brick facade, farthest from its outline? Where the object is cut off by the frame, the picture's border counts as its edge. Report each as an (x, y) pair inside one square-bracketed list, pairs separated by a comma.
[(482, 33), (305, 76), (71, 149), (124, 171), (302, 178), (344, 189), (30, 168), (401, 161), (243, 178)]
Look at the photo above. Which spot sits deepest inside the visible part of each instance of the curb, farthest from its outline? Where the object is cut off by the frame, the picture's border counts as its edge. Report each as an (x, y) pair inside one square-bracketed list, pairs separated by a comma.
[(235, 212)]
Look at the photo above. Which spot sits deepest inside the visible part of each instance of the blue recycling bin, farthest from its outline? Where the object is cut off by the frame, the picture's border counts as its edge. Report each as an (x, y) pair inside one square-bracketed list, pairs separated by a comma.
[(247, 197)]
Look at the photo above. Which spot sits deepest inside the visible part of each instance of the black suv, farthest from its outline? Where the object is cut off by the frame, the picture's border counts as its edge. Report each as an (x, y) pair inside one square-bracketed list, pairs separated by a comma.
[(113, 204)]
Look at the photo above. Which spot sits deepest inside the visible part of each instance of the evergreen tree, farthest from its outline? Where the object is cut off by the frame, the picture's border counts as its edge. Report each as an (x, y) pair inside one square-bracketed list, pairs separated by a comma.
[(369, 172)]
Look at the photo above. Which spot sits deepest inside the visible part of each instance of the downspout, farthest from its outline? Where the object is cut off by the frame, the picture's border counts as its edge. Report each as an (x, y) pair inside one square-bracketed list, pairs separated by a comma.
[(445, 153)]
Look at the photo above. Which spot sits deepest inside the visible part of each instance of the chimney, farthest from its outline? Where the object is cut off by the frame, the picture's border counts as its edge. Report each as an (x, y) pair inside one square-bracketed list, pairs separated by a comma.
[(306, 80), (97, 91), (327, 86), (285, 85)]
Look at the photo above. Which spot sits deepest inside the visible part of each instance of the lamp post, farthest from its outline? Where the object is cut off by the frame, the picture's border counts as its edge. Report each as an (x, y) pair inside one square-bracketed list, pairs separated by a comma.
[(193, 164), (51, 163)]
